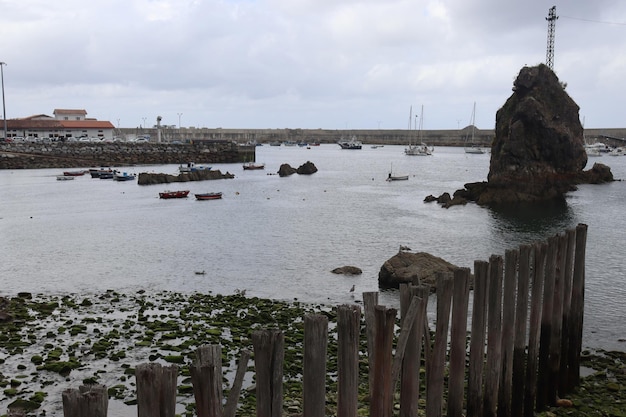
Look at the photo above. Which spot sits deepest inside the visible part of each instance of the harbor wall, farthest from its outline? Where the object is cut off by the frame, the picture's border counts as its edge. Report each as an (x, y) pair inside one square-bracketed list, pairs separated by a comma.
[(69, 155), (449, 137)]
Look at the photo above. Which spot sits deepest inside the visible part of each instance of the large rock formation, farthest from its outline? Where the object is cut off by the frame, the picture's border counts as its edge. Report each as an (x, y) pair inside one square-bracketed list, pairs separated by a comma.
[(538, 152)]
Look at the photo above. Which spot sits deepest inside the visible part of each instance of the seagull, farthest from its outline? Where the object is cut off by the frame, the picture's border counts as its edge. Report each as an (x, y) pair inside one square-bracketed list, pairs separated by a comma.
[(352, 289)]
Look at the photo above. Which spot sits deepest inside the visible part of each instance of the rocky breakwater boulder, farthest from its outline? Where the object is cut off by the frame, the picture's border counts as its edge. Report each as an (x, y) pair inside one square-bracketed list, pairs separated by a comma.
[(307, 168), (538, 153), (416, 268), (146, 178)]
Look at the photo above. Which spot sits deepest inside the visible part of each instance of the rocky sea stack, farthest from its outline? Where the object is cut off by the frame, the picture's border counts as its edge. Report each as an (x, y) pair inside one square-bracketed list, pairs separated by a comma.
[(538, 153)]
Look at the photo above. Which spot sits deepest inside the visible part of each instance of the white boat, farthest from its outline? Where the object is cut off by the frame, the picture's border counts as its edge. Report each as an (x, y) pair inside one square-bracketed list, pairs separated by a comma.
[(618, 152), (393, 177), (192, 167), (64, 177), (470, 146), (123, 176), (422, 149), (351, 143)]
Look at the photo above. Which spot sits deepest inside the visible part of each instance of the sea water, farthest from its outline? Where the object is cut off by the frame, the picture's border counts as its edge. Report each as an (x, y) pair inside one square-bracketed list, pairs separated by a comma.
[(280, 238)]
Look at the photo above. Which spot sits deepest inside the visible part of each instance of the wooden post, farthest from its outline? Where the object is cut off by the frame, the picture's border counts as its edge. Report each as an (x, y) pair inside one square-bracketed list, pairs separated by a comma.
[(494, 337), (156, 390), (477, 341), (314, 373), (458, 337), (406, 327), (348, 330), (88, 400), (557, 319), (536, 304), (233, 396), (543, 379), (370, 301), (269, 355), (578, 305), (206, 378), (435, 365), (511, 258), (410, 377), (381, 404), (519, 346), (565, 385)]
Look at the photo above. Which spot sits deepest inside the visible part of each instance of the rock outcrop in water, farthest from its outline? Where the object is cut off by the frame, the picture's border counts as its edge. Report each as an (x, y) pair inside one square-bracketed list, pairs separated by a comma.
[(146, 178), (538, 152), (307, 168), (416, 268)]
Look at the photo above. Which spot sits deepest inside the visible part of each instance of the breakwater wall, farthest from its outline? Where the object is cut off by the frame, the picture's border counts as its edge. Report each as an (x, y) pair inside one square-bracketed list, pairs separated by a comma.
[(70, 155), (451, 137), (438, 137)]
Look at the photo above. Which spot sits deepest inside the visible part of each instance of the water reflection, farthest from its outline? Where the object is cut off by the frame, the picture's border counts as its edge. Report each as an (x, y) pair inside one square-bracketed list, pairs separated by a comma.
[(525, 223)]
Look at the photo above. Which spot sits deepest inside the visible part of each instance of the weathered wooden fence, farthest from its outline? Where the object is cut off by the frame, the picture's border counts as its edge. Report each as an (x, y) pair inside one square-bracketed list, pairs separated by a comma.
[(522, 355)]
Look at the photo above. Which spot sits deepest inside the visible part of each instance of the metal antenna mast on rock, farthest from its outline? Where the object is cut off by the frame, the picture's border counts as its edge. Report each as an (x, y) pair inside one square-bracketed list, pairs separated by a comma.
[(550, 52)]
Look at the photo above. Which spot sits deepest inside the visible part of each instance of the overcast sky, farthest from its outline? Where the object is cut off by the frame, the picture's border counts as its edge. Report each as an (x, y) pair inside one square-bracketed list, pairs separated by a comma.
[(330, 64)]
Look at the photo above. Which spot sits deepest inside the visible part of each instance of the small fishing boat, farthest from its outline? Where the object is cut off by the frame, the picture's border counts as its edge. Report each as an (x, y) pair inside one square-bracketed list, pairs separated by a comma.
[(208, 196), (351, 143), (253, 165), (397, 177), (392, 177), (174, 194), (123, 176), (192, 167), (64, 177), (73, 173), (97, 172)]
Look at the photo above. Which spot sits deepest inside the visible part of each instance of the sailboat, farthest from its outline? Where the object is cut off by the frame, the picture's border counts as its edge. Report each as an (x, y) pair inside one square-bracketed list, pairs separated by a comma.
[(392, 177), (420, 149), (471, 147)]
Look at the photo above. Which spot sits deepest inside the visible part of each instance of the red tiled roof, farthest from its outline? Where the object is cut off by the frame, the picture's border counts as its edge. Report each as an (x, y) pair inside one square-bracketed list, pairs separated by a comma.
[(53, 124), (87, 124)]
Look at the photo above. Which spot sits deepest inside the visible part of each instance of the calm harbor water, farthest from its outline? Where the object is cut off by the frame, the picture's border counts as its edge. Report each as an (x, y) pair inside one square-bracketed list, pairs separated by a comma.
[(280, 237)]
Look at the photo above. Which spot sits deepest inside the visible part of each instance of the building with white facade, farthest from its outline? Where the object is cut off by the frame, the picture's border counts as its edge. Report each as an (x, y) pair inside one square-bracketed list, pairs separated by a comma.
[(66, 125)]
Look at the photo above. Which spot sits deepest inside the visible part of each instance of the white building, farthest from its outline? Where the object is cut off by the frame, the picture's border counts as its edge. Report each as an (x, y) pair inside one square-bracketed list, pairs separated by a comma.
[(67, 124)]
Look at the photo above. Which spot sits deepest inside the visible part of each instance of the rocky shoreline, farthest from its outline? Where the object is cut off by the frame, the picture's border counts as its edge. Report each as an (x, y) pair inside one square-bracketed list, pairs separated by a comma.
[(54, 342)]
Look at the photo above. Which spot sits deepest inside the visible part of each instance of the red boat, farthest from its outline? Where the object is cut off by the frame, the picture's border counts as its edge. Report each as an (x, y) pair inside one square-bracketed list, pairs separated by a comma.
[(174, 194), (208, 196), (73, 173)]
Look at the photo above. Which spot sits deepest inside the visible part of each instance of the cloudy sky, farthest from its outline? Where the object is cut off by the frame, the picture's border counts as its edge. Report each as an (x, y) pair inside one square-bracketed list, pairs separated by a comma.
[(330, 64)]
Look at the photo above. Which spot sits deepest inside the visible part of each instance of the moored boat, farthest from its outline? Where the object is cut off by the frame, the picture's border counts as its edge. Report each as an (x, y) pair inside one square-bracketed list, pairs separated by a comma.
[(124, 176), (208, 196), (192, 167), (174, 194), (253, 165), (470, 146), (73, 173), (97, 172), (351, 143), (422, 149), (64, 177)]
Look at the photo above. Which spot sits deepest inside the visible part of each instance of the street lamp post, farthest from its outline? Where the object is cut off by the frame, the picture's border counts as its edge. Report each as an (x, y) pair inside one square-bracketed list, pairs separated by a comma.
[(4, 107), (179, 114)]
